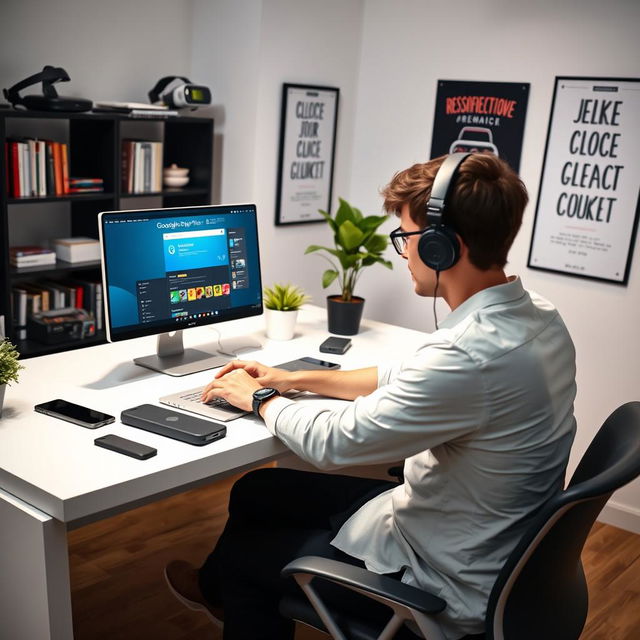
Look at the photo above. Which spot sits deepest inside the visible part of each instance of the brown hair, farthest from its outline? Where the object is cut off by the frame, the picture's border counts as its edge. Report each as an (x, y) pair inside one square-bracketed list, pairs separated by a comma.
[(485, 207)]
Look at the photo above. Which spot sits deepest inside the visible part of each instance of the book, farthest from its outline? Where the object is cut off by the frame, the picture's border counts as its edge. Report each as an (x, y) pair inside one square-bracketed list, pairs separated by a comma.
[(85, 182), (51, 176), (129, 106), (28, 250), (57, 167), (33, 261), (85, 189), (79, 249), (19, 311), (64, 148)]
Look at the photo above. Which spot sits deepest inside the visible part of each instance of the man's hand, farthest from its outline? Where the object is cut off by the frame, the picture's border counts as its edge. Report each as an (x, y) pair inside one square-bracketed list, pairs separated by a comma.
[(236, 387), (266, 376)]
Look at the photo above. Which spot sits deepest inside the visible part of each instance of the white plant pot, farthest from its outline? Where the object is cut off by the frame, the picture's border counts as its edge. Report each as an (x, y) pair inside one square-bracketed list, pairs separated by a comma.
[(3, 387), (281, 325)]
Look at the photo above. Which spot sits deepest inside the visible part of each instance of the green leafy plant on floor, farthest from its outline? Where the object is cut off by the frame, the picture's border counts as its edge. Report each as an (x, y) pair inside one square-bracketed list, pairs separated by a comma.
[(357, 245), (284, 297), (9, 365)]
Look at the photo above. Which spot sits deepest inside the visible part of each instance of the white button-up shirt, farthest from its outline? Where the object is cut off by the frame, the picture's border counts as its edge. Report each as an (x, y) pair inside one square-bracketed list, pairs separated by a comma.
[(483, 415)]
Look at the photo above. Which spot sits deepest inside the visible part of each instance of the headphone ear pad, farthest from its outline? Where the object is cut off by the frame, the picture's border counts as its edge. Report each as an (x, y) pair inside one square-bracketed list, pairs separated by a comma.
[(439, 248)]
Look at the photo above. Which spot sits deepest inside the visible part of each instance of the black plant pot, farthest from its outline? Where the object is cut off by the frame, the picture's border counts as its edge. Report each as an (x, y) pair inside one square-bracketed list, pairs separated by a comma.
[(344, 317)]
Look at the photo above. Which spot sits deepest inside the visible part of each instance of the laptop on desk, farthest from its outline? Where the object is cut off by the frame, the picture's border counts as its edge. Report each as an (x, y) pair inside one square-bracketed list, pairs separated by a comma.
[(219, 409)]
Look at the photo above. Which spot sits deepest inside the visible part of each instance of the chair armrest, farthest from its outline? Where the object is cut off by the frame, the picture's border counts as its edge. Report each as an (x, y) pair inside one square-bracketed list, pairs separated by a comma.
[(364, 580)]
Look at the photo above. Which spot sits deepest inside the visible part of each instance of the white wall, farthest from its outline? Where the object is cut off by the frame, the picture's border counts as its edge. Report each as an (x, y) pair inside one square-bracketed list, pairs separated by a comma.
[(114, 50), (407, 46), (246, 50)]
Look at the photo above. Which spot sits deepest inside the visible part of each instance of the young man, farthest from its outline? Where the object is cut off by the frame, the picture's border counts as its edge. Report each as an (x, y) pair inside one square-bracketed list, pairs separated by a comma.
[(482, 413)]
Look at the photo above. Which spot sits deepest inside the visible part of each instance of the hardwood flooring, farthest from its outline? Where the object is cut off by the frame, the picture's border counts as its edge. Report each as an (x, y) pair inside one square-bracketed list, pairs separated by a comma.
[(118, 591)]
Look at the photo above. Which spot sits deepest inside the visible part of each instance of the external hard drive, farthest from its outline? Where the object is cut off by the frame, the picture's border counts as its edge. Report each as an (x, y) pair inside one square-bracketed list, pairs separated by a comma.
[(172, 424)]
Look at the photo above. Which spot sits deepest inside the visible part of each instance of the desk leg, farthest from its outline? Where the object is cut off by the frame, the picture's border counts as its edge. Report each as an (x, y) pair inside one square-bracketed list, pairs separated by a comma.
[(35, 596)]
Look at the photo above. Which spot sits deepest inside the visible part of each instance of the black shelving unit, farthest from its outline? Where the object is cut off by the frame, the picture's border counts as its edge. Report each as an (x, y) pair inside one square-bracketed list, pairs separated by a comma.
[(95, 142)]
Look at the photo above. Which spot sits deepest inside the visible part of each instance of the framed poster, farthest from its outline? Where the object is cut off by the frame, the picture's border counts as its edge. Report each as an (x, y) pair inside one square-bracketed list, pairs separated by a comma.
[(587, 211), (480, 116), (307, 149)]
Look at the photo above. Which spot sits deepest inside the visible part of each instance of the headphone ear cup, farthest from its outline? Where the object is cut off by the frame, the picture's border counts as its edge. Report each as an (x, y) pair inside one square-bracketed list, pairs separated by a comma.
[(439, 248)]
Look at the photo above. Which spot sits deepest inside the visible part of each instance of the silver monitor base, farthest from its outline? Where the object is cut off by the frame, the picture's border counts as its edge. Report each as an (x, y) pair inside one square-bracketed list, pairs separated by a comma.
[(189, 361), (174, 360)]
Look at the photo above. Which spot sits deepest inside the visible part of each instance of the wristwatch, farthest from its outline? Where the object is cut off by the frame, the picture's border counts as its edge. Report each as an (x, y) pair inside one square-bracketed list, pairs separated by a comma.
[(260, 396)]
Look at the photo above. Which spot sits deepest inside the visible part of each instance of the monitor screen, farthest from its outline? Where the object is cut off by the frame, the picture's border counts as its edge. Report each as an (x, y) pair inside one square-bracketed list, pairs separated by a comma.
[(170, 269)]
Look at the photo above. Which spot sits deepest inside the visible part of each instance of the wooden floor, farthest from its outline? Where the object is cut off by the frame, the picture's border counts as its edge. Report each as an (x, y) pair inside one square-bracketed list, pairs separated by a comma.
[(118, 591)]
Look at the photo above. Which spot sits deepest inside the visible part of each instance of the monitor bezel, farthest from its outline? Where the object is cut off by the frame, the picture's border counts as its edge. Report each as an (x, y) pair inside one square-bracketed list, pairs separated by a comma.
[(169, 327)]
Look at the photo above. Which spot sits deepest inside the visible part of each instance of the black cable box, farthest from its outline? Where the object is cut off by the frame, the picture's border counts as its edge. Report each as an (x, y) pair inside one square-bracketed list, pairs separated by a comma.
[(172, 424)]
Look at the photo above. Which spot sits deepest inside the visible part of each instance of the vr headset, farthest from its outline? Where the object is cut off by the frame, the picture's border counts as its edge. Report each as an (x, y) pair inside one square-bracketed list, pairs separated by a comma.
[(183, 95), (49, 100)]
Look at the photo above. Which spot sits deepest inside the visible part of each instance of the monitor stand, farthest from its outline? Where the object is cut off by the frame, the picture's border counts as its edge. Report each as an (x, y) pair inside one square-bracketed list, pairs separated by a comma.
[(174, 360)]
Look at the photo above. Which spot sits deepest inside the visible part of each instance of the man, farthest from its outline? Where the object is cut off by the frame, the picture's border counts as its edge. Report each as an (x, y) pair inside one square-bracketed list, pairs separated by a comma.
[(482, 413)]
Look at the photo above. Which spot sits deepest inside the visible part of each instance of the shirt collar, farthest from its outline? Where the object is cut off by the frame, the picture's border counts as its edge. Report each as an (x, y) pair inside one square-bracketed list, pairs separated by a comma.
[(511, 290)]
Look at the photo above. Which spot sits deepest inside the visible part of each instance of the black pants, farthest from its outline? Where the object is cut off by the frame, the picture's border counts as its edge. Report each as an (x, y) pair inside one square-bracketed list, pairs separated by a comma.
[(275, 516)]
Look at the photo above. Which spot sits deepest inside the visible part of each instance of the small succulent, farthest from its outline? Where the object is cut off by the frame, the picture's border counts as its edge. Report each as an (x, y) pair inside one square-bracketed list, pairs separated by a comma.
[(284, 297)]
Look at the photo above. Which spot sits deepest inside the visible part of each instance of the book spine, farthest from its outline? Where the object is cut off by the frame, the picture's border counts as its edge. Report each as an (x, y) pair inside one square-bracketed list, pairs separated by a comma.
[(20, 313), (42, 167), (99, 315), (147, 167), (7, 168), (51, 176), (57, 164), (24, 181), (64, 148), (15, 169), (33, 172)]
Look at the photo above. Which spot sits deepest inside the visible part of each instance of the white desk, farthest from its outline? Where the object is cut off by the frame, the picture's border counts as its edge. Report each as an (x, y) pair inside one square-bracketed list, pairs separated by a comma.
[(52, 476)]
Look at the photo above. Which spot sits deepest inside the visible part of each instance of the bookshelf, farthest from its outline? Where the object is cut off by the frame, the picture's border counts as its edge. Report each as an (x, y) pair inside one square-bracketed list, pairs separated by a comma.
[(95, 150)]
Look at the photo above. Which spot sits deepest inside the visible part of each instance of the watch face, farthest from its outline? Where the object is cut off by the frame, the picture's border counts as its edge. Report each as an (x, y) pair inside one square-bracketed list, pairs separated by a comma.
[(262, 393)]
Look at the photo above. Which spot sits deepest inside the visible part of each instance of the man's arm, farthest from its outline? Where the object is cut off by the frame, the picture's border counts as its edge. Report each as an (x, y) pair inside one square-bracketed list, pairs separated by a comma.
[(345, 385)]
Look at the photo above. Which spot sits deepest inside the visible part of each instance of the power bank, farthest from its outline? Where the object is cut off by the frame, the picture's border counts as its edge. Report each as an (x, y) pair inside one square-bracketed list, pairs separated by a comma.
[(172, 424)]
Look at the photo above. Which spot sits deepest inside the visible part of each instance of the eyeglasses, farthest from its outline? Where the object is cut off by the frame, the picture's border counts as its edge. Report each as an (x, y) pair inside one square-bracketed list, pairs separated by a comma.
[(399, 239)]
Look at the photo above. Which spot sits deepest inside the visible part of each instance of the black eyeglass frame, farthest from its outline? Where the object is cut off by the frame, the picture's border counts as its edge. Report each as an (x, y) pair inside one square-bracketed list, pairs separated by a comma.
[(398, 239)]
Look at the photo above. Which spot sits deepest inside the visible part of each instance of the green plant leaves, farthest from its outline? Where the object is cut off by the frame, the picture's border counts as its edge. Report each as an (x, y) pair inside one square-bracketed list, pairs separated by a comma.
[(349, 236), (328, 277), (357, 245)]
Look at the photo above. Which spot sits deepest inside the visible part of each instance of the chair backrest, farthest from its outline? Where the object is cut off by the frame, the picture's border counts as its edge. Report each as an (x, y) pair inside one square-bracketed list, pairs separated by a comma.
[(541, 591)]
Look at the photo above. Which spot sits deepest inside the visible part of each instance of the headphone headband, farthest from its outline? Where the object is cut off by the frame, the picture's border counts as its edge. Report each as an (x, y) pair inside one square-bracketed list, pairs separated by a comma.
[(442, 187)]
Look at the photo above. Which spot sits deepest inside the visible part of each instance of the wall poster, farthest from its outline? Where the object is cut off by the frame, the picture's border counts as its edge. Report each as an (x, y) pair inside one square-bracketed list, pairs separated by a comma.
[(587, 212), (480, 116), (307, 149)]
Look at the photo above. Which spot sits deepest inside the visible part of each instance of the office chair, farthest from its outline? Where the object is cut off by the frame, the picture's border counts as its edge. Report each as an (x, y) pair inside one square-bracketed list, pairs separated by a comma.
[(541, 591)]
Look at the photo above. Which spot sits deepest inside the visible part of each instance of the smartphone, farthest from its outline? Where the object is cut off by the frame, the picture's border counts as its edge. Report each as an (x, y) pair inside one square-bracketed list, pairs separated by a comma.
[(307, 364), (335, 345), (85, 417), (126, 447)]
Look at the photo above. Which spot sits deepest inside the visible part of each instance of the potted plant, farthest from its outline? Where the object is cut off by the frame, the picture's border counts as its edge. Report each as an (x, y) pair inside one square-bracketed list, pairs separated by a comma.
[(357, 245), (9, 368), (282, 302)]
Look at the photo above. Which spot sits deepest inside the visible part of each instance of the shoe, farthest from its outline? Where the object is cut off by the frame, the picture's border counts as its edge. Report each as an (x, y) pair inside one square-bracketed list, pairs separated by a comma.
[(182, 579)]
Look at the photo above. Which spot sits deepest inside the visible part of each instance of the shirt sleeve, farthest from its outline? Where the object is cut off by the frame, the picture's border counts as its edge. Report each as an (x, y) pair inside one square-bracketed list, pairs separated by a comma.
[(435, 397)]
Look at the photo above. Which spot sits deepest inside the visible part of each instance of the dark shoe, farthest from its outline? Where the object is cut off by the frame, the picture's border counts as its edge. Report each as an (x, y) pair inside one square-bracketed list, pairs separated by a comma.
[(182, 579)]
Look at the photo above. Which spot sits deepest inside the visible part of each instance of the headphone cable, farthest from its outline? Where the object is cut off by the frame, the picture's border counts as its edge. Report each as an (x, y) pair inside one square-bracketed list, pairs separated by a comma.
[(435, 295)]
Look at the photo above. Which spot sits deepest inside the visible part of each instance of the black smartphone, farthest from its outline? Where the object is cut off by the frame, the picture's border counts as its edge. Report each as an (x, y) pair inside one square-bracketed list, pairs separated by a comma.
[(307, 364), (85, 417), (335, 345), (126, 447)]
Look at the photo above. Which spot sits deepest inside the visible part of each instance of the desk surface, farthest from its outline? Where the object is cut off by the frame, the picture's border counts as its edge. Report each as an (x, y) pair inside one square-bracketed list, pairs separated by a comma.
[(54, 465)]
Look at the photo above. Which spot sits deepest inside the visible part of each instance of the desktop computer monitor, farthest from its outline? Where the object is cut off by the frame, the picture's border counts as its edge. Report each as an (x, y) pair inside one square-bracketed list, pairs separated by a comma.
[(165, 270)]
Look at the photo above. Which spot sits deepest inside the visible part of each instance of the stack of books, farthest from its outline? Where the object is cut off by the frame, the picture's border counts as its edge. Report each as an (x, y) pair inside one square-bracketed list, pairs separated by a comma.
[(134, 109), (37, 167), (31, 256), (86, 185), (141, 166), (28, 298)]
